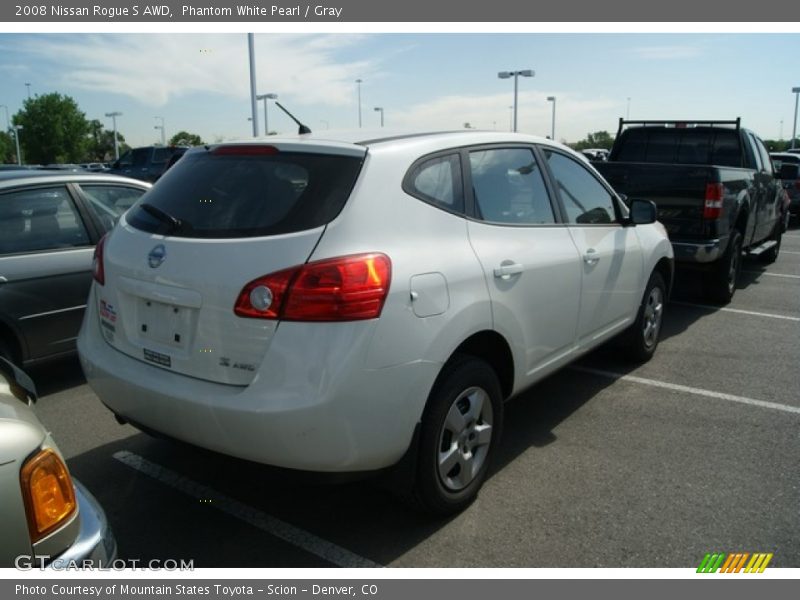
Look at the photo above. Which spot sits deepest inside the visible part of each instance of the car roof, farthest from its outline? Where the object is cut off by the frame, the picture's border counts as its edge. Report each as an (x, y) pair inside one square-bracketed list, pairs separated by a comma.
[(27, 176), (357, 141)]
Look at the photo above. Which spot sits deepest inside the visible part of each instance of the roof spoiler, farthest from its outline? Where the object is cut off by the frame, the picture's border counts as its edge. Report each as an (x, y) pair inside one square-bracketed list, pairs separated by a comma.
[(678, 123)]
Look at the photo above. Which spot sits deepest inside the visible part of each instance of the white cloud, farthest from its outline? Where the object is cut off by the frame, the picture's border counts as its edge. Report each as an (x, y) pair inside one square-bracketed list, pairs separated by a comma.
[(575, 115), (154, 69)]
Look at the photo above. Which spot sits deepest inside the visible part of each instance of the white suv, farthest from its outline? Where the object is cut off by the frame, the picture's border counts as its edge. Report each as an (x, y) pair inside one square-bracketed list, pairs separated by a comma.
[(354, 304)]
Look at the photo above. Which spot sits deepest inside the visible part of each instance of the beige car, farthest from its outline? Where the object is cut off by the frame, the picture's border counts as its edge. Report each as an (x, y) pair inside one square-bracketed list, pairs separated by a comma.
[(48, 519)]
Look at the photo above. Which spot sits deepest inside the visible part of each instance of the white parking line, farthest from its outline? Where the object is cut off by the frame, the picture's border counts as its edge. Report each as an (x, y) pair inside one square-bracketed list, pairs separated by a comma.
[(739, 311), (690, 390), (774, 274), (788, 252), (289, 533)]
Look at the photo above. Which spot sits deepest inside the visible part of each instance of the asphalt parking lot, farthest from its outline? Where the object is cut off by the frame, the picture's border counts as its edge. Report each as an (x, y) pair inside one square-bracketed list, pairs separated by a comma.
[(601, 465)]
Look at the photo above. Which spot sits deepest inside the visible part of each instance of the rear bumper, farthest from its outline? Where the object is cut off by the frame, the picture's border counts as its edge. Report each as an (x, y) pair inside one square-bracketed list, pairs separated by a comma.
[(313, 405), (702, 252), (95, 543)]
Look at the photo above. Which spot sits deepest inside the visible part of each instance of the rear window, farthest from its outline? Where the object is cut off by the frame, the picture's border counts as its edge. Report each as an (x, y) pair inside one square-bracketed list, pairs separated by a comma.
[(228, 196), (687, 146)]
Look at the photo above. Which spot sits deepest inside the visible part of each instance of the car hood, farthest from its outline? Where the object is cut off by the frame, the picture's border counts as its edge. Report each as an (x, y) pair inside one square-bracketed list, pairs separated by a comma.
[(21, 432)]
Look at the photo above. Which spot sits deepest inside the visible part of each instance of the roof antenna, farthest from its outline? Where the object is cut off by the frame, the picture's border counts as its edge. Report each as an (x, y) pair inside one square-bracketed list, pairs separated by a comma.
[(303, 129)]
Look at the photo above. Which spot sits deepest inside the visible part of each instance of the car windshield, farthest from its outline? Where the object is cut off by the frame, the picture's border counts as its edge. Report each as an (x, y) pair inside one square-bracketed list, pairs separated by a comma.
[(220, 195)]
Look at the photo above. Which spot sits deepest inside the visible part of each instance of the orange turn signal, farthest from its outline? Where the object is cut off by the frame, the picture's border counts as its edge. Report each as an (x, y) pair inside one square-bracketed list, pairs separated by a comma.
[(48, 493)]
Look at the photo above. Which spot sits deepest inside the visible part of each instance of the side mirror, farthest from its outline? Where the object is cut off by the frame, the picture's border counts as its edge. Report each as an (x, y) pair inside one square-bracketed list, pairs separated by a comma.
[(643, 212)]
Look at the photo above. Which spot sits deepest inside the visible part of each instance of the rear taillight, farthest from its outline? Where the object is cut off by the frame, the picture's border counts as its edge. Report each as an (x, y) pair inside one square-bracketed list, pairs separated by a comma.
[(348, 288), (98, 270), (712, 208)]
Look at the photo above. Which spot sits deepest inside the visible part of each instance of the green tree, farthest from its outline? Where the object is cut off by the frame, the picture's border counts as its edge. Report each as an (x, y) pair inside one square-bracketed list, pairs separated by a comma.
[(100, 146), (184, 138), (8, 153), (54, 130), (598, 139)]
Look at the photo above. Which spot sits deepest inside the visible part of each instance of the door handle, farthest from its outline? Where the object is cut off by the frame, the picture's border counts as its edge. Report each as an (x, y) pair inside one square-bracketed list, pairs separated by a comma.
[(506, 271), (591, 258)]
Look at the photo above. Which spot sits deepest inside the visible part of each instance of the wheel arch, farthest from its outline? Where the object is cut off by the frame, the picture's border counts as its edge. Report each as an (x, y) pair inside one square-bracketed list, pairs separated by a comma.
[(492, 348)]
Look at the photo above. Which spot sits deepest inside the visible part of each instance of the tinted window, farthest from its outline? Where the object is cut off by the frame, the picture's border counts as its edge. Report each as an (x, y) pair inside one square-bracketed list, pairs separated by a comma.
[(235, 195), (39, 219), (585, 199), (108, 202), (161, 155), (438, 181), (140, 156), (509, 187), (683, 145)]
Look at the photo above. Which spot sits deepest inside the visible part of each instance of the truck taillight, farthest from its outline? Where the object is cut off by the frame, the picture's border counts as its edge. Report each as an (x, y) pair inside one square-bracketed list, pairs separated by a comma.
[(712, 209), (347, 288), (98, 269)]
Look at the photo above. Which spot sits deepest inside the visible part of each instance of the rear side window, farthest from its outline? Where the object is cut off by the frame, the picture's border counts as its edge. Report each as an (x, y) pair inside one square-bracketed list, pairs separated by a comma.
[(161, 155), (208, 195), (39, 219), (438, 182)]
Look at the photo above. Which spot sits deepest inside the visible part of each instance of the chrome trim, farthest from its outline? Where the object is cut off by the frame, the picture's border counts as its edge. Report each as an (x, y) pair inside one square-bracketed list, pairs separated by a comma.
[(52, 312)]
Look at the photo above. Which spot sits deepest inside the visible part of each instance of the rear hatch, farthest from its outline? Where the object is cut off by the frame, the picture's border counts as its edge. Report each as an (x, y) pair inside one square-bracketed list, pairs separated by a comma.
[(220, 218)]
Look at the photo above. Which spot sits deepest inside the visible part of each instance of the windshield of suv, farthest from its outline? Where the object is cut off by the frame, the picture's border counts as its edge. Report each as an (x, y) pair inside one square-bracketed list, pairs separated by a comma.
[(219, 195)]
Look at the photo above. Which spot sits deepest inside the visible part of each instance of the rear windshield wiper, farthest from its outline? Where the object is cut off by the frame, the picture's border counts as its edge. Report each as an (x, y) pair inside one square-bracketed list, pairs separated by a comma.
[(173, 222)]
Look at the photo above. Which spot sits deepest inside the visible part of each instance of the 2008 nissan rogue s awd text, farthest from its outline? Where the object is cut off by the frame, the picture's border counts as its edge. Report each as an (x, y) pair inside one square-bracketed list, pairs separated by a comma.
[(350, 304)]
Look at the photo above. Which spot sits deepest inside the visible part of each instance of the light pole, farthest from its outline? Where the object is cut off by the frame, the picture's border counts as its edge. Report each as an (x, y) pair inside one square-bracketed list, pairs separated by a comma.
[(553, 126), (266, 97), (8, 121), (161, 127), (359, 82), (511, 118), (380, 110), (795, 91), (114, 116), (16, 129), (28, 85), (515, 75), (253, 101)]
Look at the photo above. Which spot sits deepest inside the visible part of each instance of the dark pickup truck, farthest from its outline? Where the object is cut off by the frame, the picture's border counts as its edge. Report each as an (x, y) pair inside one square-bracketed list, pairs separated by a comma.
[(715, 189)]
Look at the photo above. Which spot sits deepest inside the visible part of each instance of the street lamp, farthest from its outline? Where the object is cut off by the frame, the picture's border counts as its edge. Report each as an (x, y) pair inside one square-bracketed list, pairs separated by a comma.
[(16, 129), (28, 85), (553, 126), (161, 127), (114, 116), (795, 91), (515, 75), (266, 97), (380, 110), (253, 102), (359, 82)]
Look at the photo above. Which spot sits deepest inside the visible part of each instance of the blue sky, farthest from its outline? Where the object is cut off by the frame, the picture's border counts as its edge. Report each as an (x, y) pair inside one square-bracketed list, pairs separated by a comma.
[(200, 82)]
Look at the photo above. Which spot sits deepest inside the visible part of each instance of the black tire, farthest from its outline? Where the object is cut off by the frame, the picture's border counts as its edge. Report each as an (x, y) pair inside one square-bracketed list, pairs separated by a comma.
[(724, 276), (467, 392), (642, 337), (771, 255)]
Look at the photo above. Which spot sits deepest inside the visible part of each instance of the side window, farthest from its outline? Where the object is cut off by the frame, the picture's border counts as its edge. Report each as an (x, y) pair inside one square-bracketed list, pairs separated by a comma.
[(108, 202), (39, 219), (140, 157), (509, 187), (438, 182), (126, 160), (765, 159), (585, 199)]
